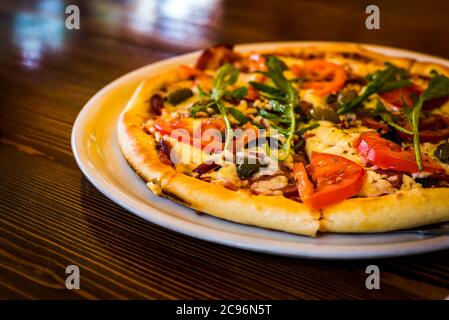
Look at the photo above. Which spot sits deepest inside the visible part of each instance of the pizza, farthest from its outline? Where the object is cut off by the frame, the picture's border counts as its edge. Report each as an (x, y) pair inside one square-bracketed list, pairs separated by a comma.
[(301, 139)]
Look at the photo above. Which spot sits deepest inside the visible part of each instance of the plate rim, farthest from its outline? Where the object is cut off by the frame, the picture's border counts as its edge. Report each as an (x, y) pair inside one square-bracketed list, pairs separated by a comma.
[(302, 250)]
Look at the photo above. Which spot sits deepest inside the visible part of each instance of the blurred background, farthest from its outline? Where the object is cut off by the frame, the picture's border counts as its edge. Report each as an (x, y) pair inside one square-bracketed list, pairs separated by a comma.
[(33, 32)]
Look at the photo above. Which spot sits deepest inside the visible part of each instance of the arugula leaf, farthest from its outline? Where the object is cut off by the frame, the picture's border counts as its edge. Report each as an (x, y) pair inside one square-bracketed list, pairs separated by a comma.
[(280, 129), (238, 93), (271, 116), (298, 132), (226, 75), (386, 79), (277, 106), (301, 132), (271, 97), (438, 87), (292, 96), (311, 126), (389, 118), (266, 88), (298, 145), (229, 134), (407, 109), (200, 106), (201, 91), (238, 115), (275, 73), (283, 65), (392, 85)]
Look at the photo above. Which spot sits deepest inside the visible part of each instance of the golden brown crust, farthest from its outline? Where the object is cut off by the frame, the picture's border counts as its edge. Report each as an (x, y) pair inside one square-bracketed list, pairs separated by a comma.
[(359, 60), (345, 48), (404, 209), (423, 68)]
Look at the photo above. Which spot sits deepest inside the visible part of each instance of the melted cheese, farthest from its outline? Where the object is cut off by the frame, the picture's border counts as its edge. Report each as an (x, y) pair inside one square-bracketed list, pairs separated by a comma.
[(408, 183), (329, 139), (227, 173), (270, 186), (429, 149), (375, 185), (310, 97), (269, 169), (184, 153)]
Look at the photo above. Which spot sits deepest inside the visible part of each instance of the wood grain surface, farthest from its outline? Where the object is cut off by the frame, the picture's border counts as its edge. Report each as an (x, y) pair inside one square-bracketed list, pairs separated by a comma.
[(52, 217)]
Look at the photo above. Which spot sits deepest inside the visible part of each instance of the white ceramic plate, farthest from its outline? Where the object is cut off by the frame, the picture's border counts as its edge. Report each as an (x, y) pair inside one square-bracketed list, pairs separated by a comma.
[(97, 153)]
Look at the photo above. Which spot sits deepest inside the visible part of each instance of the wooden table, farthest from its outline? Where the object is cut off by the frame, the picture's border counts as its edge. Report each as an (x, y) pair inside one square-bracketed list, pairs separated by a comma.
[(52, 217)]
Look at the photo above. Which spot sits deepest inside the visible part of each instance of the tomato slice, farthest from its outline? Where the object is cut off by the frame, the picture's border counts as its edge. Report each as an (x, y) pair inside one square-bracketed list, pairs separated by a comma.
[(388, 155), (336, 179), (321, 76), (166, 127), (303, 184), (395, 99)]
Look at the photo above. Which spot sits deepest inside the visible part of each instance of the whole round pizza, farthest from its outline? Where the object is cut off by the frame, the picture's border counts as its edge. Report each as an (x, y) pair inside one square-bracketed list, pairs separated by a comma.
[(300, 139)]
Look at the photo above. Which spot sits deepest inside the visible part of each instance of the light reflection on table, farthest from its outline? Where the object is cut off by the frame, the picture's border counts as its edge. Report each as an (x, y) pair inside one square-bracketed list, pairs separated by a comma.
[(39, 30)]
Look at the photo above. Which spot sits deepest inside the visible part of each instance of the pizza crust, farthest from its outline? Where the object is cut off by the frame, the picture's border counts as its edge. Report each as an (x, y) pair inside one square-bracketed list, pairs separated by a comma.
[(402, 210), (423, 68), (359, 60), (405, 209)]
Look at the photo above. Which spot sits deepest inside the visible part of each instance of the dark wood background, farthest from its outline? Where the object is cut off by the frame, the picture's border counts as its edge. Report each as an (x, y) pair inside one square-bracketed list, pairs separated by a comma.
[(52, 217)]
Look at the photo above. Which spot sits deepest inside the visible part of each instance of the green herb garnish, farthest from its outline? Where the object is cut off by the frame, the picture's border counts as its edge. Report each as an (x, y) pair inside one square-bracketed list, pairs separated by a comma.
[(275, 73), (389, 118), (238, 115), (238, 93), (387, 79), (438, 87), (272, 91), (277, 106), (226, 75), (201, 91), (301, 132), (272, 116), (201, 106), (311, 126)]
